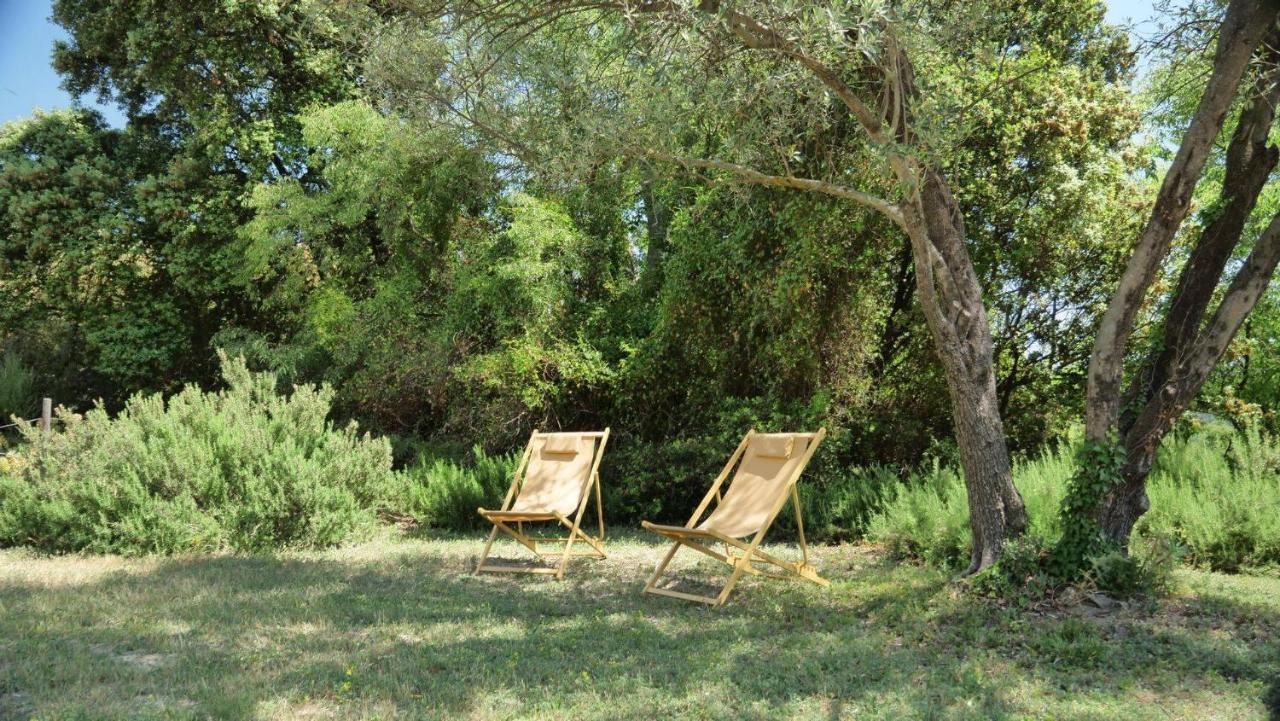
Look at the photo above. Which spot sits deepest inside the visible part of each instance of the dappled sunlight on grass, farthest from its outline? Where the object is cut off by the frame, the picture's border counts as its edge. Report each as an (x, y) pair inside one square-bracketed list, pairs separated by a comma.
[(398, 628)]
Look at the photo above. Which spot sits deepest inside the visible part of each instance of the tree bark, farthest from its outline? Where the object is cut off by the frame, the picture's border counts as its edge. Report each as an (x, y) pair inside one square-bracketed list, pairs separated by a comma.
[(1242, 30), (1166, 383), (951, 297), (1176, 369), (657, 221), (1181, 366), (1127, 503), (1249, 162)]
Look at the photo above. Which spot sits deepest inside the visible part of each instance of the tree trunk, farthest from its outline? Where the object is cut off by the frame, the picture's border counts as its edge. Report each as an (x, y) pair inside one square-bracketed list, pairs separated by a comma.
[(1242, 30), (951, 298), (1123, 509), (996, 510), (1167, 382), (1124, 505), (1179, 368), (1249, 162), (657, 222)]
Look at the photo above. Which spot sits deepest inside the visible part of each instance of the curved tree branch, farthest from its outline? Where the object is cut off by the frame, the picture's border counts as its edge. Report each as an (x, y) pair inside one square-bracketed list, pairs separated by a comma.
[(750, 175)]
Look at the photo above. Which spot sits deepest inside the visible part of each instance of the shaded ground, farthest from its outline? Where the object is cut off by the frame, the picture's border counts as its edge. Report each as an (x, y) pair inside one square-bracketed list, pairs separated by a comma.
[(396, 629)]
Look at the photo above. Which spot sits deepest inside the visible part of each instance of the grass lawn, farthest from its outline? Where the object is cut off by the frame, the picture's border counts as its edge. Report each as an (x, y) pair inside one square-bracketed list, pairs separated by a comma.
[(395, 628)]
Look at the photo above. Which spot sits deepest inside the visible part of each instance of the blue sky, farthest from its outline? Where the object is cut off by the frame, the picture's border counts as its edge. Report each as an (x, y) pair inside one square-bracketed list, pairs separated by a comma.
[(27, 80)]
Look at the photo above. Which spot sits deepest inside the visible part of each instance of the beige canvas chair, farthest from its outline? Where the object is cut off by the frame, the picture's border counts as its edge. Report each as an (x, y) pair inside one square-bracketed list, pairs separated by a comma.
[(768, 467), (553, 482)]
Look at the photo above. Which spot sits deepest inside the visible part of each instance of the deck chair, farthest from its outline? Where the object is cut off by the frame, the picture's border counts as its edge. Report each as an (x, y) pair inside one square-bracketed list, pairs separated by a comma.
[(770, 465), (553, 482)]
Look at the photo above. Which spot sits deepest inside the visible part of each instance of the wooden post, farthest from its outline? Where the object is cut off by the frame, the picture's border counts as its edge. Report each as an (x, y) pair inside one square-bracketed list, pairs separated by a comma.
[(46, 414)]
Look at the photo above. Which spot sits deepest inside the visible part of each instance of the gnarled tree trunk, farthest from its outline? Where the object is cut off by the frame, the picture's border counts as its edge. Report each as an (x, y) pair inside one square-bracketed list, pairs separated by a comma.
[(1175, 371), (951, 297)]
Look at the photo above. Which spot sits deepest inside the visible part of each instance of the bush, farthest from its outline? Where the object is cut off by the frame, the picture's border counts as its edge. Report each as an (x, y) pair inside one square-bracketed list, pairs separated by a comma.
[(1215, 502), (243, 468), (444, 493), (928, 516), (17, 388), (1218, 497), (1019, 575), (839, 506), (1147, 569)]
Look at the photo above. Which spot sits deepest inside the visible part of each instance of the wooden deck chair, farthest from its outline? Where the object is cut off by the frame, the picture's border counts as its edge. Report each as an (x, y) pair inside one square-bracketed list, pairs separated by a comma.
[(553, 482), (771, 464)]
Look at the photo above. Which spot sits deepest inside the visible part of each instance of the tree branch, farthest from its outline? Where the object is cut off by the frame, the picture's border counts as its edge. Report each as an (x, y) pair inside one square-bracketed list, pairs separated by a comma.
[(1249, 162), (1246, 289), (888, 209), (1242, 30)]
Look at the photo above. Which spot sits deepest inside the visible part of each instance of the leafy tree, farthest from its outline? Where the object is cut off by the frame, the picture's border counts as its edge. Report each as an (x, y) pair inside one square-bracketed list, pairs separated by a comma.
[(226, 77), (85, 268), (211, 91), (862, 104)]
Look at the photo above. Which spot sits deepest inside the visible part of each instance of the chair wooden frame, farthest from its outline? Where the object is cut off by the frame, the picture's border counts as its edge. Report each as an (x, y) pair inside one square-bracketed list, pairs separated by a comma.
[(748, 553), (502, 519)]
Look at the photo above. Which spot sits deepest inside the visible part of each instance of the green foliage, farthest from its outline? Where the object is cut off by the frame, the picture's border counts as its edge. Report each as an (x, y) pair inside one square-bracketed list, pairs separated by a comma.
[(443, 493), (108, 261), (321, 188), (927, 519), (244, 468), (1218, 498), (1020, 573), (17, 387), (839, 503), (1213, 494), (1098, 471), (228, 75), (1145, 569)]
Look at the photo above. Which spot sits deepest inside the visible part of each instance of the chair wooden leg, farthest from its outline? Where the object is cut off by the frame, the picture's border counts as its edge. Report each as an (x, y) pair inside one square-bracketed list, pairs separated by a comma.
[(564, 560), (485, 553), (662, 566), (740, 568)]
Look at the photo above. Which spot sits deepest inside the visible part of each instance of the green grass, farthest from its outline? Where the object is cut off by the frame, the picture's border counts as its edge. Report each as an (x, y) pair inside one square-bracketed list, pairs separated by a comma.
[(396, 628)]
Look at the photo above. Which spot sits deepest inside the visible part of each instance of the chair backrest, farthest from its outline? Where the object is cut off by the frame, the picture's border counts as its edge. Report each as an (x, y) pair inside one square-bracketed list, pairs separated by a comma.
[(558, 473), (769, 463)]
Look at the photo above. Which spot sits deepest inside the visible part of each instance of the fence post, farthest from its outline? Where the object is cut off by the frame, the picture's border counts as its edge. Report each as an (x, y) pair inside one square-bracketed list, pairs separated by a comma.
[(46, 414)]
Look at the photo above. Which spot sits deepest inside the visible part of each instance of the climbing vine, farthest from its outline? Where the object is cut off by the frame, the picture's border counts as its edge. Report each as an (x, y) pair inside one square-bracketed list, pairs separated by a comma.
[(1098, 471)]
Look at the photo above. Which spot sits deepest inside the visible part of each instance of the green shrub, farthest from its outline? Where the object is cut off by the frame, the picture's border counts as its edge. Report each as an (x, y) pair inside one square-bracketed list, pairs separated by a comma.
[(244, 468), (444, 493), (1215, 502), (928, 518), (17, 388), (1020, 573), (1147, 569), (1218, 497), (839, 506), (928, 515)]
